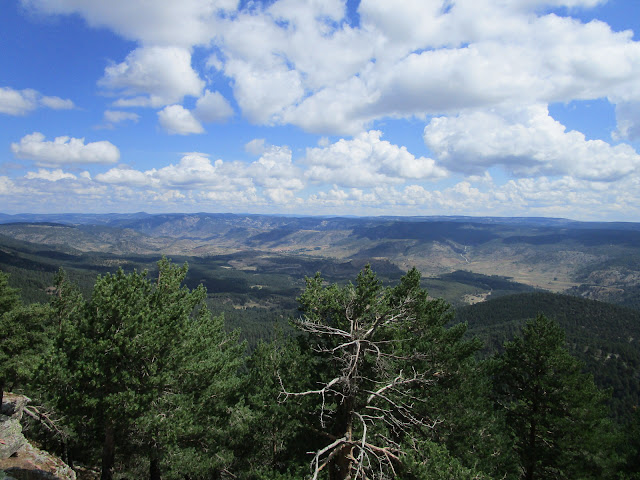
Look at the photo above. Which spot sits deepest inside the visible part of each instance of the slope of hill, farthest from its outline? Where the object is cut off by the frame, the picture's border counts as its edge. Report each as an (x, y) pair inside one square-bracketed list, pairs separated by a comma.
[(605, 337), (595, 260)]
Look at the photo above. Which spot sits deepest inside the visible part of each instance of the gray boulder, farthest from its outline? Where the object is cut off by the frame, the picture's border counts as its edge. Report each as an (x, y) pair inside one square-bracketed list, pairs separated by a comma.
[(20, 460)]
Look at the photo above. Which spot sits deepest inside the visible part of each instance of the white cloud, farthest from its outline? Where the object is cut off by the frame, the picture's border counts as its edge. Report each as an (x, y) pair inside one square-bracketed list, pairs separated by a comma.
[(264, 94), (50, 175), (272, 175), (17, 102), (481, 73), (7, 187), (275, 170), (127, 177), (302, 63), (118, 116), (64, 150), (324, 142), (244, 197), (153, 77), (368, 161), (183, 23), (417, 58), (168, 196), (212, 107), (192, 172), (57, 103), (628, 119), (279, 196), (176, 119), (257, 146), (562, 197), (526, 142), (21, 102)]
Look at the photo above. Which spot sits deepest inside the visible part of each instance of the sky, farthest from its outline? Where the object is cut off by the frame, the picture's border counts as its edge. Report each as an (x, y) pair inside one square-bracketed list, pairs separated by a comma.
[(321, 107)]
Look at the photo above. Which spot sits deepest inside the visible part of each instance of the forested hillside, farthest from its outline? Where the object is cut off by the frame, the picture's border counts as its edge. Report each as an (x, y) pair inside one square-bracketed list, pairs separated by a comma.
[(252, 288), (379, 380), (605, 337)]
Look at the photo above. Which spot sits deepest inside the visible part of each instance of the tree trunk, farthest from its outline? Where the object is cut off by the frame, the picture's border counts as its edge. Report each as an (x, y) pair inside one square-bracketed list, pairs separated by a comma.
[(154, 464), (530, 459), (341, 466), (1, 391), (108, 453), (530, 463)]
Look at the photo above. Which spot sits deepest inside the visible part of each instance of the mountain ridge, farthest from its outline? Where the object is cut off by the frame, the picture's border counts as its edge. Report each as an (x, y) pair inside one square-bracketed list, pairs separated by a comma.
[(548, 253)]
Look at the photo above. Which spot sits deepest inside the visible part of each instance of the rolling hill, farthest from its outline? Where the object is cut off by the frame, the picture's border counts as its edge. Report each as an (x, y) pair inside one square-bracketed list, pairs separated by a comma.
[(594, 260)]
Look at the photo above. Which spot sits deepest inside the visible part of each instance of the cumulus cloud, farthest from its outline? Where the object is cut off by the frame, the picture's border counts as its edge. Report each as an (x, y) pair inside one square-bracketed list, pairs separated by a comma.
[(126, 177), (526, 142), (290, 65), (176, 119), (186, 23), (628, 119), (561, 197), (50, 175), (56, 103), (21, 102), (7, 187), (368, 161), (64, 150), (212, 107), (17, 102), (191, 172), (238, 198), (480, 73), (257, 146), (305, 63), (153, 77), (118, 116), (264, 94), (275, 170)]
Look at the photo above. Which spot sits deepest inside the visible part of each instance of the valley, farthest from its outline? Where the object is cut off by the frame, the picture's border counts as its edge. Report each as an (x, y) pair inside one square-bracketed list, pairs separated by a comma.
[(595, 260)]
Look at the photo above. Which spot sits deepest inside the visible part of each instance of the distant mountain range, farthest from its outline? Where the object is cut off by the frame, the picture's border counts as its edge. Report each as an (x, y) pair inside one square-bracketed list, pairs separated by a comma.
[(592, 259)]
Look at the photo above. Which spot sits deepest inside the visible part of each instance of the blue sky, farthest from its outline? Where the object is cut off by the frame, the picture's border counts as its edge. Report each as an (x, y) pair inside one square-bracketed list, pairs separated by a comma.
[(414, 107)]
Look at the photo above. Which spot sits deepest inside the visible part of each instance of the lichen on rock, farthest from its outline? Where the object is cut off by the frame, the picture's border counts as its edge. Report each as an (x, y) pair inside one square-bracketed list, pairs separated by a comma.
[(19, 459)]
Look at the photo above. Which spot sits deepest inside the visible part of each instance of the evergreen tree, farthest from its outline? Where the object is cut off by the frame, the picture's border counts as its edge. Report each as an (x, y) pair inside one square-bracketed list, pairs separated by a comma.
[(555, 412), (631, 448), (125, 360), (279, 434), (67, 301), (24, 337), (201, 413), (381, 351), (9, 296)]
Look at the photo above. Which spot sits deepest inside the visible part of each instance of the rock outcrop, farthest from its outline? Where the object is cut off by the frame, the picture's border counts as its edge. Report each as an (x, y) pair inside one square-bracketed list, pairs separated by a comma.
[(19, 459)]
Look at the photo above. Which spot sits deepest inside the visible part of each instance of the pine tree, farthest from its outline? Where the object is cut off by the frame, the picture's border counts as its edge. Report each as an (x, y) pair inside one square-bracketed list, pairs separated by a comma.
[(201, 412), (381, 350), (279, 433), (125, 361), (9, 296), (24, 337), (555, 412)]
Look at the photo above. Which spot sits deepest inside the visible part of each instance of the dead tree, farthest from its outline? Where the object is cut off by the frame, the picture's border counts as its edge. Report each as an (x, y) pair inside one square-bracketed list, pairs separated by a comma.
[(377, 345)]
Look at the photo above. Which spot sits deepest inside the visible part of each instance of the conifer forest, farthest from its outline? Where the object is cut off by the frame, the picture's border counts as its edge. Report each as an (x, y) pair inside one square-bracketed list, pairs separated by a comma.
[(138, 378)]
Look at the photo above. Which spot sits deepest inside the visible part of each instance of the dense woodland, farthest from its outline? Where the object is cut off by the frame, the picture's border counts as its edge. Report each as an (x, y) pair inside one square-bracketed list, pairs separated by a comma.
[(139, 379)]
